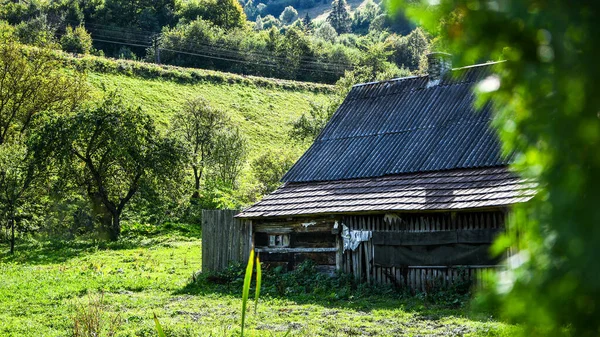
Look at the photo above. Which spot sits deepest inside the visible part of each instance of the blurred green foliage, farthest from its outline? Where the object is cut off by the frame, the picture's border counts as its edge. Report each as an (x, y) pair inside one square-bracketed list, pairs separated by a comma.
[(547, 113)]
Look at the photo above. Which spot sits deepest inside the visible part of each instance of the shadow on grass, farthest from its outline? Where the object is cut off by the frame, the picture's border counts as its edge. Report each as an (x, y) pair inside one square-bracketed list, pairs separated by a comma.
[(136, 230), (54, 251), (339, 292), (59, 251)]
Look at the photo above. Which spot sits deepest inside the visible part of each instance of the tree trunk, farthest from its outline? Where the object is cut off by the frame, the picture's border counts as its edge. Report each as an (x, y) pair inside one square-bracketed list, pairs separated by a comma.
[(115, 229), (196, 193), (12, 234)]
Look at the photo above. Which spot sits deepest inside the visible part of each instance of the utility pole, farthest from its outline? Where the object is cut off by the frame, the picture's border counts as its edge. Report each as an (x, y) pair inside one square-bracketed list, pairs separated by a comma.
[(156, 44)]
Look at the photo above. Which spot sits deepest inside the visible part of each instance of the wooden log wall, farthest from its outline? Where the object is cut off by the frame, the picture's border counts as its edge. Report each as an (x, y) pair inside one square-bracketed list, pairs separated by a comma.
[(309, 239), (419, 278), (225, 239)]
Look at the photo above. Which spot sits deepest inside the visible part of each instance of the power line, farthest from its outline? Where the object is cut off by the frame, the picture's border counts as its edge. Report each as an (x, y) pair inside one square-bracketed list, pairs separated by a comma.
[(209, 56), (216, 56), (145, 38), (229, 53), (122, 43), (213, 52)]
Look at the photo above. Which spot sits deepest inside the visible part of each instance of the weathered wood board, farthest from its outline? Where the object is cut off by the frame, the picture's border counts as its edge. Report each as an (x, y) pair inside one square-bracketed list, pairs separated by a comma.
[(225, 239)]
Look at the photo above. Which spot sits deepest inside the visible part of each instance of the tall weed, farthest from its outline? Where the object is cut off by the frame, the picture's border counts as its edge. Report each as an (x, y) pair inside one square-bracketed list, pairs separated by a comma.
[(93, 320)]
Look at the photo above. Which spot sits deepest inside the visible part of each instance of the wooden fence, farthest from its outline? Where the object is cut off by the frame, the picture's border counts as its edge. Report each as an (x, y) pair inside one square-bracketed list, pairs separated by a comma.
[(225, 239)]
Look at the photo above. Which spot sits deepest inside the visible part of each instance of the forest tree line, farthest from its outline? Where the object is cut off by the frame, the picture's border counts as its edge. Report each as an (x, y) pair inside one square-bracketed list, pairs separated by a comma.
[(225, 35)]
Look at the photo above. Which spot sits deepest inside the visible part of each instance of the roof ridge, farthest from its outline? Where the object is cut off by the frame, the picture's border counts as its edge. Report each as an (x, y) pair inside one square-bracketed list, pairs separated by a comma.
[(489, 63), (390, 80)]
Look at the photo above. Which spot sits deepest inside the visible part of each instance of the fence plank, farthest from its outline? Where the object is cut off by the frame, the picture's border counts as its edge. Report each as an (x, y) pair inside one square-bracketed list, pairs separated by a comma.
[(225, 239)]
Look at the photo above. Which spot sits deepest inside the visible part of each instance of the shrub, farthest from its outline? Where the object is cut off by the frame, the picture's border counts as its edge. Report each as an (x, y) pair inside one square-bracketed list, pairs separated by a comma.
[(326, 32), (289, 15), (76, 40), (269, 167)]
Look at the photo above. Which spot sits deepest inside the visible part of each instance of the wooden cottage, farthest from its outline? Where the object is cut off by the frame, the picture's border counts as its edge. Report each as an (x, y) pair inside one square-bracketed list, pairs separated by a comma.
[(405, 185)]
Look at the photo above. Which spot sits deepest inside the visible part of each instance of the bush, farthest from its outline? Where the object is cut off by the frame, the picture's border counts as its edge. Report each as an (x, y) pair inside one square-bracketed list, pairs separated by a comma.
[(270, 167), (76, 40), (36, 31), (326, 32), (289, 15)]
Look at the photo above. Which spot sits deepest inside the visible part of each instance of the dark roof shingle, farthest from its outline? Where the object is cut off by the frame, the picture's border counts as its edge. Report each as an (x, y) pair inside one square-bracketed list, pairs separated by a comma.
[(441, 190), (403, 126)]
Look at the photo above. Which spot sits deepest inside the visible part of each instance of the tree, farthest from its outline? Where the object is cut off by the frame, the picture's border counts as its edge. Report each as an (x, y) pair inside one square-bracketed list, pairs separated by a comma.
[(294, 47), (546, 102), (289, 15), (269, 168), (340, 18), (33, 82), (198, 124), (250, 10), (111, 150), (76, 40), (229, 156), (410, 49), (308, 24), (37, 31), (258, 24), (364, 16), (326, 32), (16, 177), (270, 21), (228, 14), (33, 85), (142, 14), (309, 125)]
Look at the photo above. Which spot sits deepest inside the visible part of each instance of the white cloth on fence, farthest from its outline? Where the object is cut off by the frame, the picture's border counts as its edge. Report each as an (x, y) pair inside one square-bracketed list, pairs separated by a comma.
[(352, 238)]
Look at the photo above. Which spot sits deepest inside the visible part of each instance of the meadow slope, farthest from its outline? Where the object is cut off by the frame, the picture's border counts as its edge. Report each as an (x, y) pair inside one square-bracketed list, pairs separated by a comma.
[(263, 114)]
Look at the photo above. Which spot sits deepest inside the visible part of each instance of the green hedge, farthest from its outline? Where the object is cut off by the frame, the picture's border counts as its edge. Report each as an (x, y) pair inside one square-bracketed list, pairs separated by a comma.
[(179, 74)]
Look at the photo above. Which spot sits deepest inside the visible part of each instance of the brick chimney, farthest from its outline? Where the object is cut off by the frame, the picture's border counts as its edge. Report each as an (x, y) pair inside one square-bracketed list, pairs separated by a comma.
[(438, 64)]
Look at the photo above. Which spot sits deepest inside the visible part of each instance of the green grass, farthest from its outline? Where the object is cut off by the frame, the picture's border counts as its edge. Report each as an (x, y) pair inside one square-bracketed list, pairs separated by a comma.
[(263, 114), (150, 271)]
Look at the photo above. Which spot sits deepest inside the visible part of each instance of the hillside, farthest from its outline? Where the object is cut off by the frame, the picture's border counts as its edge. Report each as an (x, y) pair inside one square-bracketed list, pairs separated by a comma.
[(262, 113), (262, 108)]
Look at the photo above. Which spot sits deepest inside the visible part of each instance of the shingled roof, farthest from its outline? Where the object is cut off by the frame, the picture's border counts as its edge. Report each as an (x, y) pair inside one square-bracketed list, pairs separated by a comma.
[(441, 190), (404, 126), (402, 145)]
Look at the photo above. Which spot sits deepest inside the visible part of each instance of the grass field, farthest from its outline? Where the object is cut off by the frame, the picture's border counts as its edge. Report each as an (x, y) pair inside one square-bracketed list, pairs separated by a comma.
[(142, 274), (263, 114)]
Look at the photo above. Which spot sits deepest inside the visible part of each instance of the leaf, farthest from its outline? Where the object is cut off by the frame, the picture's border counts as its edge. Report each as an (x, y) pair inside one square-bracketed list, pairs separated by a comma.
[(258, 282), (159, 329), (246, 288)]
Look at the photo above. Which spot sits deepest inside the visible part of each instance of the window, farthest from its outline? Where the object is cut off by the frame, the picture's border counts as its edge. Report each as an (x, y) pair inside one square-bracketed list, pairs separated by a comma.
[(279, 240)]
